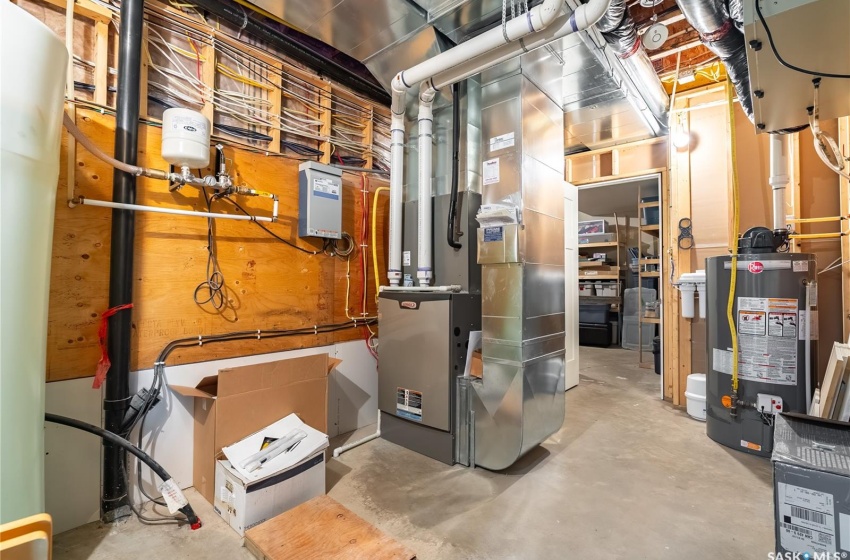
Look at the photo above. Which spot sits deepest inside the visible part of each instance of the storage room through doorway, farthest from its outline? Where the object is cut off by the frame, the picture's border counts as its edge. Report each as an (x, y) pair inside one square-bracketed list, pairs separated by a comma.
[(620, 270)]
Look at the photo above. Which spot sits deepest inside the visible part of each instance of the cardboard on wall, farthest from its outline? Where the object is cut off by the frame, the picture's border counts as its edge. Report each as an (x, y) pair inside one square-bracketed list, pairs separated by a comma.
[(241, 400)]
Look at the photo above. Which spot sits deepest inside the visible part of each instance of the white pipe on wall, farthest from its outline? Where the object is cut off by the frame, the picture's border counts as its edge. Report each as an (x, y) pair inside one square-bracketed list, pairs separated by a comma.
[(426, 221), (464, 61), (140, 208), (779, 178)]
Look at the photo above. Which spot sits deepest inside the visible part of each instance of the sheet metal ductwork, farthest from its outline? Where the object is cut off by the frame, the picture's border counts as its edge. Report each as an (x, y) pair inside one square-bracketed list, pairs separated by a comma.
[(620, 33), (723, 36)]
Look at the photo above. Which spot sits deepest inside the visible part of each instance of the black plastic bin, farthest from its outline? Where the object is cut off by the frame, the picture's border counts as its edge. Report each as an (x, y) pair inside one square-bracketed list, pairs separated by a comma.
[(590, 334), (656, 353)]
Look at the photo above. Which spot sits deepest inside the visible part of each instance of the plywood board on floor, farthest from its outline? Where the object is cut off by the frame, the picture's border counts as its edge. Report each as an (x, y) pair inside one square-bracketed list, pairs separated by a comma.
[(322, 529)]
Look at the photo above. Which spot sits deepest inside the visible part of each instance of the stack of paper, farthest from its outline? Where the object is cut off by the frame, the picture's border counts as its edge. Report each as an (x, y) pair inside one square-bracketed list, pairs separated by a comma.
[(307, 447), (493, 215)]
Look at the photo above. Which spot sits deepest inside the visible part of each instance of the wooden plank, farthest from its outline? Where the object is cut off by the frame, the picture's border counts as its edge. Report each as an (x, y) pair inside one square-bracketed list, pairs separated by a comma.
[(322, 529), (269, 285), (86, 9), (844, 197), (143, 76), (276, 99), (101, 61), (679, 337), (832, 378), (208, 72), (325, 130)]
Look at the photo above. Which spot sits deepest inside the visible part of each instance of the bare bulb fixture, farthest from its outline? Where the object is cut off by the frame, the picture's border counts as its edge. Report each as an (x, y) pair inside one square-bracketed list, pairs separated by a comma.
[(681, 138)]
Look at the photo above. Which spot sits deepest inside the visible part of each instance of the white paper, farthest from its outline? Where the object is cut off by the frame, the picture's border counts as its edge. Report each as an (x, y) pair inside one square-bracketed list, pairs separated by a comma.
[(844, 532), (405, 258), (474, 344), (490, 172), (241, 450), (501, 142), (806, 519), (174, 497), (492, 215)]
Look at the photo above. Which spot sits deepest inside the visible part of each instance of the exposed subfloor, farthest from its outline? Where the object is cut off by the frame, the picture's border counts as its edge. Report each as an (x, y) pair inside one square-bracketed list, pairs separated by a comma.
[(628, 476)]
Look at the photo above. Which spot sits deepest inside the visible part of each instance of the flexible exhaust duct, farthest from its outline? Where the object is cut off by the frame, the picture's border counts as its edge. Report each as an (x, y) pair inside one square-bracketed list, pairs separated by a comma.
[(534, 29), (722, 35)]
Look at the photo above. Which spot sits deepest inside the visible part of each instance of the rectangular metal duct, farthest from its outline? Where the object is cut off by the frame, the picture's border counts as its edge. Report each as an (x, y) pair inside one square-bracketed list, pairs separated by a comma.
[(520, 401)]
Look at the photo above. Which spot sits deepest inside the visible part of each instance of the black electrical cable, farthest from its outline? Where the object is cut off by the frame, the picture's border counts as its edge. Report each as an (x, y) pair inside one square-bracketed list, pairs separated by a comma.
[(451, 227), (115, 439), (785, 63), (243, 132), (270, 232), (214, 284)]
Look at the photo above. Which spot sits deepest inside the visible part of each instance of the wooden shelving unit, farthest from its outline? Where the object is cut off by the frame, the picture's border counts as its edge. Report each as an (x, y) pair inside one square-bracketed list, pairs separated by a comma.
[(593, 271), (653, 230)]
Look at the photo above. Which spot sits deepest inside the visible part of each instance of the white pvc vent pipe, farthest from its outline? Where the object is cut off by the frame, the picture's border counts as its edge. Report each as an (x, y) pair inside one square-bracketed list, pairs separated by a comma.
[(779, 178)]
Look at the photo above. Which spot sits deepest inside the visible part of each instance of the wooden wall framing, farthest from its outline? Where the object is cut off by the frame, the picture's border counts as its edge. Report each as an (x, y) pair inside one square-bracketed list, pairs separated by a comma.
[(269, 285)]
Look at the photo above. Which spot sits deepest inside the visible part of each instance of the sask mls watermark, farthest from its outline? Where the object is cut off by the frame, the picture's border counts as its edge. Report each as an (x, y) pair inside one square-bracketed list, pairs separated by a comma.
[(807, 556)]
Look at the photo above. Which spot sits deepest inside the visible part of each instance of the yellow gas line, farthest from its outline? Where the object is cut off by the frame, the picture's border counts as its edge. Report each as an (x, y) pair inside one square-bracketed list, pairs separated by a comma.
[(374, 240), (736, 221)]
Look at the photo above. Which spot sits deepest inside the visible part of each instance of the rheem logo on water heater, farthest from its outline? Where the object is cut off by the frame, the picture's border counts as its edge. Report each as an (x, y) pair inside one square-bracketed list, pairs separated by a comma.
[(755, 267)]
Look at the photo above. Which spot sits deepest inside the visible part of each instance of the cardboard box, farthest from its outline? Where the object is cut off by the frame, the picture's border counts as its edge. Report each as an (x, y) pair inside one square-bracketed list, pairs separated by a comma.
[(243, 504), (241, 400), (811, 484), (476, 367)]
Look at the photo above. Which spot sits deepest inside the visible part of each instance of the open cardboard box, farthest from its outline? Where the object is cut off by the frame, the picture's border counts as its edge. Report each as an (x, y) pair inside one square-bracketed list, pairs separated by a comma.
[(241, 400)]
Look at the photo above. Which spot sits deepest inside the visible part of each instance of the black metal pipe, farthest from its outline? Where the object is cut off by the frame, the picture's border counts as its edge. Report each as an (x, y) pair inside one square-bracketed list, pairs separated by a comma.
[(116, 440), (251, 24), (114, 499), (451, 232)]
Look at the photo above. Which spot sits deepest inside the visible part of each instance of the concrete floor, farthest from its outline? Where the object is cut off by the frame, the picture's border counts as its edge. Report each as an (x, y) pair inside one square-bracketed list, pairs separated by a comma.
[(628, 476)]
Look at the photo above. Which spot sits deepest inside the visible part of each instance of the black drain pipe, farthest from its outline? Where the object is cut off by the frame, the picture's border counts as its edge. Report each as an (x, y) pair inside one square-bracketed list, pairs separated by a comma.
[(114, 502), (452, 233)]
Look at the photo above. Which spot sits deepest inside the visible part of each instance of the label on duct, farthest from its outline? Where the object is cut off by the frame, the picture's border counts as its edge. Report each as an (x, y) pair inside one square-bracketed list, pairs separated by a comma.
[(408, 404), (490, 172), (494, 233), (806, 519), (767, 338), (501, 142)]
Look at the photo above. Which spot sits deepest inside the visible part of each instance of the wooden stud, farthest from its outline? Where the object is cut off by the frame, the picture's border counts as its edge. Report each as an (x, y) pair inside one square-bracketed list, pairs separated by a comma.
[(844, 194), (145, 71), (208, 72), (276, 99), (101, 61), (325, 117)]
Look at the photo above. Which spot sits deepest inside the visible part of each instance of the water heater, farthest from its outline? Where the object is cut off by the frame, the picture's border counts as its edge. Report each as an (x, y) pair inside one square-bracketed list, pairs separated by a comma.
[(774, 296)]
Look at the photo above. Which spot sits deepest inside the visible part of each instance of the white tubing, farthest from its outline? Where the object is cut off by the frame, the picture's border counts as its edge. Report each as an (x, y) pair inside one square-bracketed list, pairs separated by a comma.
[(536, 19), (343, 448), (426, 221), (396, 188), (177, 211), (449, 288), (779, 178)]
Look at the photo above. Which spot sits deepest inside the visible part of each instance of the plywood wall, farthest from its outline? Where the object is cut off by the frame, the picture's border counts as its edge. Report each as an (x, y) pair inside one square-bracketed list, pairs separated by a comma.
[(269, 285)]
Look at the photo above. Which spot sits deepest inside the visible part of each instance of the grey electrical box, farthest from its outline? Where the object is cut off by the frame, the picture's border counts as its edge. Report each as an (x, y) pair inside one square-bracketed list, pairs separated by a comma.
[(319, 200)]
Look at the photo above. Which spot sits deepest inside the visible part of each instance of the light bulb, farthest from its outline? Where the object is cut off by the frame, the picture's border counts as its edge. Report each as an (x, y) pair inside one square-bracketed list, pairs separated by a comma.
[(681, 138)]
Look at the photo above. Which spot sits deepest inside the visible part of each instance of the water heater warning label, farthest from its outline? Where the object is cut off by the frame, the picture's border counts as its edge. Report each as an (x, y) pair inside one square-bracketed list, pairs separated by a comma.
[(408, 404), (767, 338)]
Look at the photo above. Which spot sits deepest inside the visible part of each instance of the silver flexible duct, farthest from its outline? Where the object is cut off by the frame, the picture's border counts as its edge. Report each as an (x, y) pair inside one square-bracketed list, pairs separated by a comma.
[(720, 33), (619, 30)]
